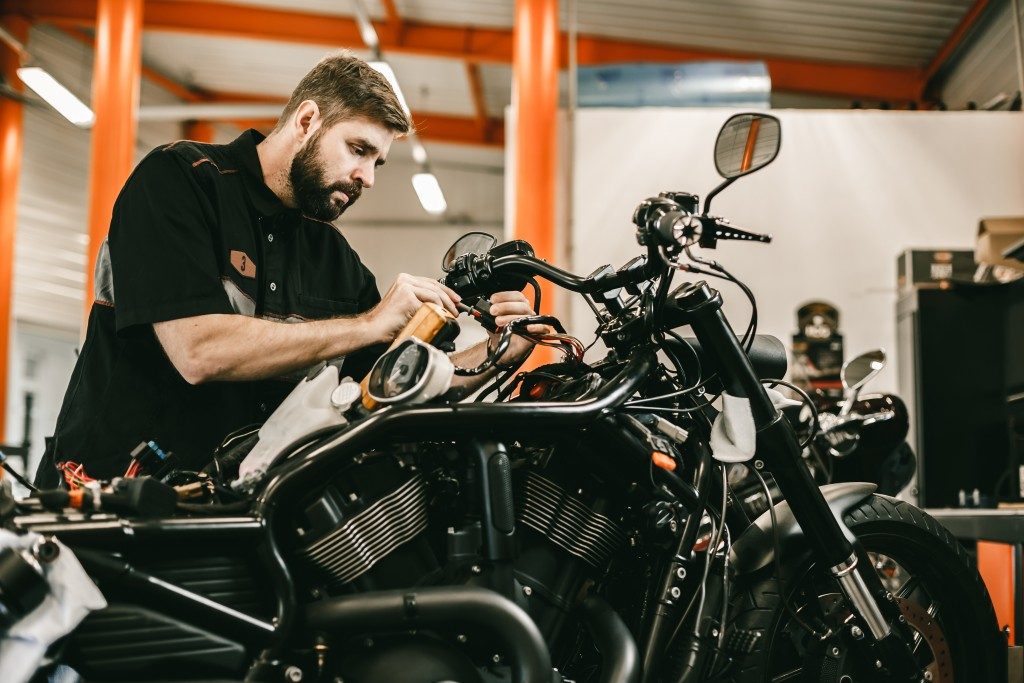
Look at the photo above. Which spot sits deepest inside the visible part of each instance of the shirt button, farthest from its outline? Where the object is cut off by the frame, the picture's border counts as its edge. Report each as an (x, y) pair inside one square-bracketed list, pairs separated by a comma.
[(270, 238), (263, 408), (273, 286)]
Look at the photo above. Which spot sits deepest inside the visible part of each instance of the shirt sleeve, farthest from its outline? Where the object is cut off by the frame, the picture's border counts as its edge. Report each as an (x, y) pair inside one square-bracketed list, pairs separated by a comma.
[(163, 250)]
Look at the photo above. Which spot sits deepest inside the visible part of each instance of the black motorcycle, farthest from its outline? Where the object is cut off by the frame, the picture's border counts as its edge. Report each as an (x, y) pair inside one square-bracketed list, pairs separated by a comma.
[(580, 527), (862, 437)]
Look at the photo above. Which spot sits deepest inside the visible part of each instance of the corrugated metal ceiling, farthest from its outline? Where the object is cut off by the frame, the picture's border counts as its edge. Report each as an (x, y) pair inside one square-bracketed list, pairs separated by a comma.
[(882, 32), (903, 33)]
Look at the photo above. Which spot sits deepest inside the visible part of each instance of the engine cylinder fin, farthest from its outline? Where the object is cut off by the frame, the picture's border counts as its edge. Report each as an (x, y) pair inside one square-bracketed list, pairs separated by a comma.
[(349, 551), (567, 521)]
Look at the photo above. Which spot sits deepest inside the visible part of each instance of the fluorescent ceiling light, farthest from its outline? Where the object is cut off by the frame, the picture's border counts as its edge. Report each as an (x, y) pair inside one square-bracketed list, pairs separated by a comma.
[(385, 70), (429, 192), (419, 154), (57, 96)]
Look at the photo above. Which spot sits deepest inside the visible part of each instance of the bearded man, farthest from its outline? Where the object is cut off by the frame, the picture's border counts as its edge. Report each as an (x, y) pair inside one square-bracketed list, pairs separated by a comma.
[(212, 249)]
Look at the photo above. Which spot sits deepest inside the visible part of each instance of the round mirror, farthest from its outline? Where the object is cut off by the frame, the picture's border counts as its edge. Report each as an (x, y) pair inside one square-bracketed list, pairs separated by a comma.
[(746, 143), (857, 371), (470, 243)]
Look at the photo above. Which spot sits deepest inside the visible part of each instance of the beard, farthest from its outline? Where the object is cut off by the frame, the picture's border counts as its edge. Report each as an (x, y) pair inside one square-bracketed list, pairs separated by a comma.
[(310, 188)]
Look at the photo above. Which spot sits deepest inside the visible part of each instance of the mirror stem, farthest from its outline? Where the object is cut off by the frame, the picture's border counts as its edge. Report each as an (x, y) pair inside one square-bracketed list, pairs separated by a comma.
[(714, 193), (848, 403)]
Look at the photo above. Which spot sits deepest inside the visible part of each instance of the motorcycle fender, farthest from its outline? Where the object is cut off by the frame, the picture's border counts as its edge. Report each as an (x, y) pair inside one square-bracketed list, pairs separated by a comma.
[(754, 548)]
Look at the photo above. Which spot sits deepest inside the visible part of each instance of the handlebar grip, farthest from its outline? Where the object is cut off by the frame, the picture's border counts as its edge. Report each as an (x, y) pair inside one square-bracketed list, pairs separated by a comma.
[(424, 325)]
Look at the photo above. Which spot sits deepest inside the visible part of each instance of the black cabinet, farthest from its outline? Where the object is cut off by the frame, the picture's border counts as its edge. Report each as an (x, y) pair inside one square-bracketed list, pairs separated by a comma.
[(961, 371)]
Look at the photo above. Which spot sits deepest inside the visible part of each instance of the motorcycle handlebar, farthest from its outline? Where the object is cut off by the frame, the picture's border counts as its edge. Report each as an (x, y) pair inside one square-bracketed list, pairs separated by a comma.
[(523, 266)]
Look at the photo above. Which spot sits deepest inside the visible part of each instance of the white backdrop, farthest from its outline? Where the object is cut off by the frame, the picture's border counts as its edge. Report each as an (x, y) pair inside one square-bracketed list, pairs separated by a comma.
[(848, 192)]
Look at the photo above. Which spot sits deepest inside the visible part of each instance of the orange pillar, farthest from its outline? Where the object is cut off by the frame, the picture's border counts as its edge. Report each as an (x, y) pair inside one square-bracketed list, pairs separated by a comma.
[(11, 139), (116, 76), (199, 131), (535, 101)]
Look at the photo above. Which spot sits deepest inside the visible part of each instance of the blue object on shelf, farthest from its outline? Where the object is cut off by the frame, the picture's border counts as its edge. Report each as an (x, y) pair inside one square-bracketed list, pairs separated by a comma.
[(690, 84)]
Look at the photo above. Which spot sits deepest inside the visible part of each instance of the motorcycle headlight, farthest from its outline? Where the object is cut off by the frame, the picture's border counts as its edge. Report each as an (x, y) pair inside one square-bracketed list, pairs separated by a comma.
[(412, 372)]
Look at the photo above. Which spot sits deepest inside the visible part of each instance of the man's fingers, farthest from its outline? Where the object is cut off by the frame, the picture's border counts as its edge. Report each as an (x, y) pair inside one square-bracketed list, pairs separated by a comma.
[(516, 308), (438, 286), (504, 297), (431, 295)]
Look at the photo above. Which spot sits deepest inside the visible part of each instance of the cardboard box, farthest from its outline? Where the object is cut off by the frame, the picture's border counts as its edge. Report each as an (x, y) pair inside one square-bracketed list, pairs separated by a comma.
[(995, 236)]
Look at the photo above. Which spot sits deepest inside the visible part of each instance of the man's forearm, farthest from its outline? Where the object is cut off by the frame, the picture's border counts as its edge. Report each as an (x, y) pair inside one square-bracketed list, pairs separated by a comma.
[(226, 347), (470, 358)]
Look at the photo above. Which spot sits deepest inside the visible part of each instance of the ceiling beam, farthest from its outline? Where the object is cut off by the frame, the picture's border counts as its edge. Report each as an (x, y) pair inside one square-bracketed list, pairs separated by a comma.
[(182, 92), (476, 91), (460, 130), (956, 38), (467, 130), (395, 21), (475, 44), (435, 127)]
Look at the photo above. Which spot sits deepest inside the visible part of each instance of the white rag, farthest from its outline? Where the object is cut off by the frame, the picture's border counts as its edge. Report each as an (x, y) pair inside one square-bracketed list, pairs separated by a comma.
[(72, 596), (733, 435)]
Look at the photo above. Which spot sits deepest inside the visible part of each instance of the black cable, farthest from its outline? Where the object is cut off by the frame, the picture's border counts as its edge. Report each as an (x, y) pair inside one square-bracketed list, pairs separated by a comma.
[(815, 425), (536, 294), (751, 331), (21, 480), (778, 562), (696, 356)]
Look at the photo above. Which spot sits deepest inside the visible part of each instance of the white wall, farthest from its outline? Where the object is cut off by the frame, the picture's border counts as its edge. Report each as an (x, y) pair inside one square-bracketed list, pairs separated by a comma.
[(848, 192)]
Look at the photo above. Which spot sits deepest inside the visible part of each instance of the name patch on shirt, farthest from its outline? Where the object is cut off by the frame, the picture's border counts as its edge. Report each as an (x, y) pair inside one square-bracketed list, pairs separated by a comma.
[(243, 264)]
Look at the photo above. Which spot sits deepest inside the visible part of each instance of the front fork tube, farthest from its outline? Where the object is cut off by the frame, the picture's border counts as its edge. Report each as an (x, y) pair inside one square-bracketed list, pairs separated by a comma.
[(670, 596), (832, 544)]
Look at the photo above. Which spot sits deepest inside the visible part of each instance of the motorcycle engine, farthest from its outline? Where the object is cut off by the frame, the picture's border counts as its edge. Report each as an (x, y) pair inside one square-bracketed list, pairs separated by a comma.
[(366, 531), (388, 524), (568, 533)]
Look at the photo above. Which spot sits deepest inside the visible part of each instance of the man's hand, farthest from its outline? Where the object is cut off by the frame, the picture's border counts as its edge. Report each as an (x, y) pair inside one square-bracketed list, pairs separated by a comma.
[(507, 307), (403, 299)]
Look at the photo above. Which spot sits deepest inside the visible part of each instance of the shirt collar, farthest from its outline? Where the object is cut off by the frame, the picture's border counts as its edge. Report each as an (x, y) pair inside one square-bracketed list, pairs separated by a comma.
[(263, 198)]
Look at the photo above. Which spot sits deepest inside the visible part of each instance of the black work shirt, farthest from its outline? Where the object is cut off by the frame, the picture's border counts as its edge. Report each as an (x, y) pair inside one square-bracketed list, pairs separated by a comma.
[(194, 231)]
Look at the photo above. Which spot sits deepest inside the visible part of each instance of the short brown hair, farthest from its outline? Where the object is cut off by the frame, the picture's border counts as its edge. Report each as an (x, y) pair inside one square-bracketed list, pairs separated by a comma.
[(345, 87)]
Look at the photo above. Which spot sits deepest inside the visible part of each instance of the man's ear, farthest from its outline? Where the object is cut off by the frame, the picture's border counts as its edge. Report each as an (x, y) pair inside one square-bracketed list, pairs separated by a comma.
[(306, 120)]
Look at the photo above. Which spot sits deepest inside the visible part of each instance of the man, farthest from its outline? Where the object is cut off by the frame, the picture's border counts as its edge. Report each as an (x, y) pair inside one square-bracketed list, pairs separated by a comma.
[(211, 249)]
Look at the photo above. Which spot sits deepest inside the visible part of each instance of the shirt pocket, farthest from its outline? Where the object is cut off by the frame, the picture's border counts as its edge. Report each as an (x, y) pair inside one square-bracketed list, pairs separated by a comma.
[(318, 306)]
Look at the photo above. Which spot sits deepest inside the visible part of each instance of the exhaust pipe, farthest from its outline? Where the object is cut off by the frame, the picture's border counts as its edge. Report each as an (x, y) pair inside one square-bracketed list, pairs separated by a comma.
[(620, 659), (442, 605)]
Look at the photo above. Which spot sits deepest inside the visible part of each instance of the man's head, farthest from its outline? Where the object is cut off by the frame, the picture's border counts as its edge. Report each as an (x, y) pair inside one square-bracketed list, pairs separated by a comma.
[(340, 120)]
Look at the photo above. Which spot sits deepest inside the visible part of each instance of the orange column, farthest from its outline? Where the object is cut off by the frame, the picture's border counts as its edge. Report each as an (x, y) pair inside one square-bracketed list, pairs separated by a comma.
[(11, 139), (535, 102), (116, 76)]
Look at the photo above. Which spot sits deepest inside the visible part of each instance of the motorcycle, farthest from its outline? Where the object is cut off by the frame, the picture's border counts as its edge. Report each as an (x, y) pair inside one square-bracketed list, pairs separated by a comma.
[(863, 438), (580, 527)]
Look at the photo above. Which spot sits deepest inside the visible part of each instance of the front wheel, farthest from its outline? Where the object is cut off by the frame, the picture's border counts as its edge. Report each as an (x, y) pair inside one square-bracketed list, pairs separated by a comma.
[(937, 586)]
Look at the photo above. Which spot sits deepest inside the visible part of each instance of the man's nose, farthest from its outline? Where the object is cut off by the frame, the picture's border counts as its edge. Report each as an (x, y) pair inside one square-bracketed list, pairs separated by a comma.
[(364, 174)]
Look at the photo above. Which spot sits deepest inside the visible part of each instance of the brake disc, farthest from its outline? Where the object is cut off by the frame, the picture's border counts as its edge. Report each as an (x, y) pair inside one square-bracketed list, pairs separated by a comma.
[(929, 630)]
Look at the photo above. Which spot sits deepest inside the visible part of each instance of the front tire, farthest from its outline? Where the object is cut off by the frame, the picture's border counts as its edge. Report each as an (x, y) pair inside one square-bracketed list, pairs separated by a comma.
[(936, 582)]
